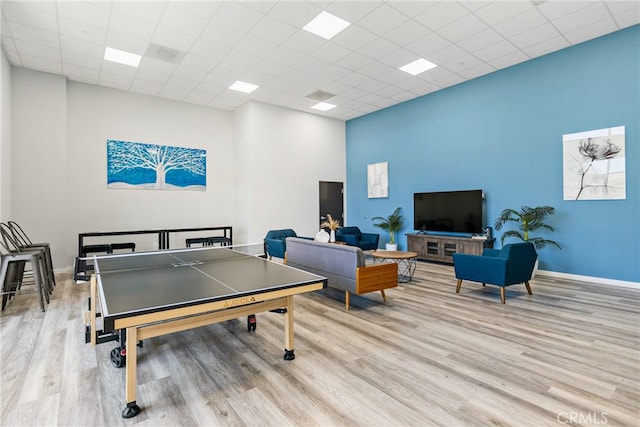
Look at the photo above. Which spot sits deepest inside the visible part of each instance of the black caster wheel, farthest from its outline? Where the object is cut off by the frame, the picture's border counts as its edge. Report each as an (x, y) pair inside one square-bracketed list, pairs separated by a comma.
[(118, 357), (288, 355), (252, 322)]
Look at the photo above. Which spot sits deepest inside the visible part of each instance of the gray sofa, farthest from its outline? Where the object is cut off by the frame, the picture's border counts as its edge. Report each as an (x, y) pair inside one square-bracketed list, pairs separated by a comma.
[(343, 266)]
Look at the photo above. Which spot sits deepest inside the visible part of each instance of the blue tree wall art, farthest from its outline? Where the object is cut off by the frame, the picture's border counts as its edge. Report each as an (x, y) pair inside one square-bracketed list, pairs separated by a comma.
[(137, 165)]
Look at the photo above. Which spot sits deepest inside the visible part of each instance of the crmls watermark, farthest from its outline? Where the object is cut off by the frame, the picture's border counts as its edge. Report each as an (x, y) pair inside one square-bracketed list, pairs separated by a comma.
[(582, 418)]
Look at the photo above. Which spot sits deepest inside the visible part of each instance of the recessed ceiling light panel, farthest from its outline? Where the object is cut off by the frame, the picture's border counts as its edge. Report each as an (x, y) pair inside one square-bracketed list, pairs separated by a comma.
[(122, 57), (243, 87), (323, 106), (419, 66), (326, 25)]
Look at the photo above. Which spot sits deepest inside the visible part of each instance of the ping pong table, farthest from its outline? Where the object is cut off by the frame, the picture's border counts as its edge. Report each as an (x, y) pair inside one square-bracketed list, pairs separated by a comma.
[(149, 294)]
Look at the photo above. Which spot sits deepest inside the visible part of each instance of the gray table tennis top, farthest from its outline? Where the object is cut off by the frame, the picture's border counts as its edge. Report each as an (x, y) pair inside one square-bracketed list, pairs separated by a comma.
[(147, 282)]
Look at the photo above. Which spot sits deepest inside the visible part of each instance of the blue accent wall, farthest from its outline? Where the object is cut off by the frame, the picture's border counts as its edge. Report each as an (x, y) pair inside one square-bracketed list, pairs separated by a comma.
[(503, 133)]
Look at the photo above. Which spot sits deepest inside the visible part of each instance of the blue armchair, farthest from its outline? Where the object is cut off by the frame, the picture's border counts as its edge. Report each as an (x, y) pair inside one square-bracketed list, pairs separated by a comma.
[(274, 242), (508, 266), (354, 237)]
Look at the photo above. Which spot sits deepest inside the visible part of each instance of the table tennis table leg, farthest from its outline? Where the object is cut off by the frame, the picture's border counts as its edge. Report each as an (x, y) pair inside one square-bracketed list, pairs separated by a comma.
[(132, 409), (288, 330)]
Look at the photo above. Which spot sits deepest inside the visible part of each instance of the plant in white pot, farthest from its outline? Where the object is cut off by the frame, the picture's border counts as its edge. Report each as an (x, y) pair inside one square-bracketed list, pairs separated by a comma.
[(529, 220), (393, 223)]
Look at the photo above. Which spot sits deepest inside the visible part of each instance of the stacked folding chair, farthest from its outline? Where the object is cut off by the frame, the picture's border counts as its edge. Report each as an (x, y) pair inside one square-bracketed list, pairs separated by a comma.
[(17, 252)]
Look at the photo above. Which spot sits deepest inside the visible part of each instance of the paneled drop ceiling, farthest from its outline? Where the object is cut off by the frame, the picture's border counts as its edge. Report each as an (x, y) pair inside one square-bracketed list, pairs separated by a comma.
[(193, 51)]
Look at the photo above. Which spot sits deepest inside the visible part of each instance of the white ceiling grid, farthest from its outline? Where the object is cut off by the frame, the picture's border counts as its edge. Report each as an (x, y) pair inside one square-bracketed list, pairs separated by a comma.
[(208, 45)]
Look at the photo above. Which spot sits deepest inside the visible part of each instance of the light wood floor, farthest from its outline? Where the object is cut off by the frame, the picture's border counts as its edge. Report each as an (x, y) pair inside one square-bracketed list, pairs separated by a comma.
[(568, 355)]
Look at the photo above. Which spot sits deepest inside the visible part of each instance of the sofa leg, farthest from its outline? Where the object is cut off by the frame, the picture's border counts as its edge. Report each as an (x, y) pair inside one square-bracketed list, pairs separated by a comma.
[(502, 294), (384, 297), (528, 287), (346, 300), (458, 286)]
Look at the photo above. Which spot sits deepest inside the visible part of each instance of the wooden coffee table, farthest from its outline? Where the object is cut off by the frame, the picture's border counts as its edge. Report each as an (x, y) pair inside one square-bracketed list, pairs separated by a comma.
[(406, 262)]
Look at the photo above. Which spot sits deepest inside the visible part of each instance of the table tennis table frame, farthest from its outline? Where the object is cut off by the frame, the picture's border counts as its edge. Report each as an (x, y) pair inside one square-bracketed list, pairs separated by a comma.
[(150, 325)]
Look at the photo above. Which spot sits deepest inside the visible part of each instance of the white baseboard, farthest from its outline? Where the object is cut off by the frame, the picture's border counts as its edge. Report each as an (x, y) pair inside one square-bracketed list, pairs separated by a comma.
[(590, 279)]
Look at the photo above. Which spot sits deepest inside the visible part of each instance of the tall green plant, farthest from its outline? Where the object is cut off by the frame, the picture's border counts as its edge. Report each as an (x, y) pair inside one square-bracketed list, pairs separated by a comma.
[(529, 220), (393, 223)]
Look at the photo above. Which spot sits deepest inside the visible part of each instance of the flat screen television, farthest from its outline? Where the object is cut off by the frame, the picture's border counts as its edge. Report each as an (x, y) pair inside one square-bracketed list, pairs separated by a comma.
[(449, 211)]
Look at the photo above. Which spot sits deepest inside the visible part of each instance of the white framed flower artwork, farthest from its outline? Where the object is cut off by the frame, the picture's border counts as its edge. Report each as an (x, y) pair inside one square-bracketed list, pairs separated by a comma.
[(594, 164)]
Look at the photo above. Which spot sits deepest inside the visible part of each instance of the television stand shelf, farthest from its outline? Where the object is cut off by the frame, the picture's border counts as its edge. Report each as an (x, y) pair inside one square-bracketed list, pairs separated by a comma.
[(432, 247)]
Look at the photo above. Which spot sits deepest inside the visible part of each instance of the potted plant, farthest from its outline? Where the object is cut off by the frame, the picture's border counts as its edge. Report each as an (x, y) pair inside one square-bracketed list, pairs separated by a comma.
[(529, 220), (332, 225), (393, 223)]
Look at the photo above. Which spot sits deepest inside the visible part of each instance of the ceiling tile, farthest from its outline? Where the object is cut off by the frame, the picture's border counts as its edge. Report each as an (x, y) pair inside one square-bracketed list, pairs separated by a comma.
[(546, 46), (168, 37), (197, 62), (463, 28), (204, 9), (406, 33), (494, 51), (441, 15), (494, 13), (595, 29), (304, 41), (553, 10), (330, 52), (478, 70), (126, 43), (354, 61), (352, 11), (427, 45), (84, 11), (37, 50), (273, 30), (80, 46), (382, 20), (150, 11), (41, 64), (534, 36), (183, 21), (210, 50), (22, 13), (91, 33), (532, 18), (379, 47), (508, 60), (447, 54), (78, 60), (256, 46), (295, 13), (222, 34), (376, 69), (33, 35), (238, 16), (481, 40), (581, 18), (131, 26), (354, 37)]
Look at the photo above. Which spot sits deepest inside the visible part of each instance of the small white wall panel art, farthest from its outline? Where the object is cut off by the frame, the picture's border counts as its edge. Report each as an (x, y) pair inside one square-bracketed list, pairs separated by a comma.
[(136, 165), (594, 164), (378, 180)]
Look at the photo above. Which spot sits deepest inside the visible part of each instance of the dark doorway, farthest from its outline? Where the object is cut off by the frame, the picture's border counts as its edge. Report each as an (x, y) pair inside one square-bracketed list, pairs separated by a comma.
[(331, 201)]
